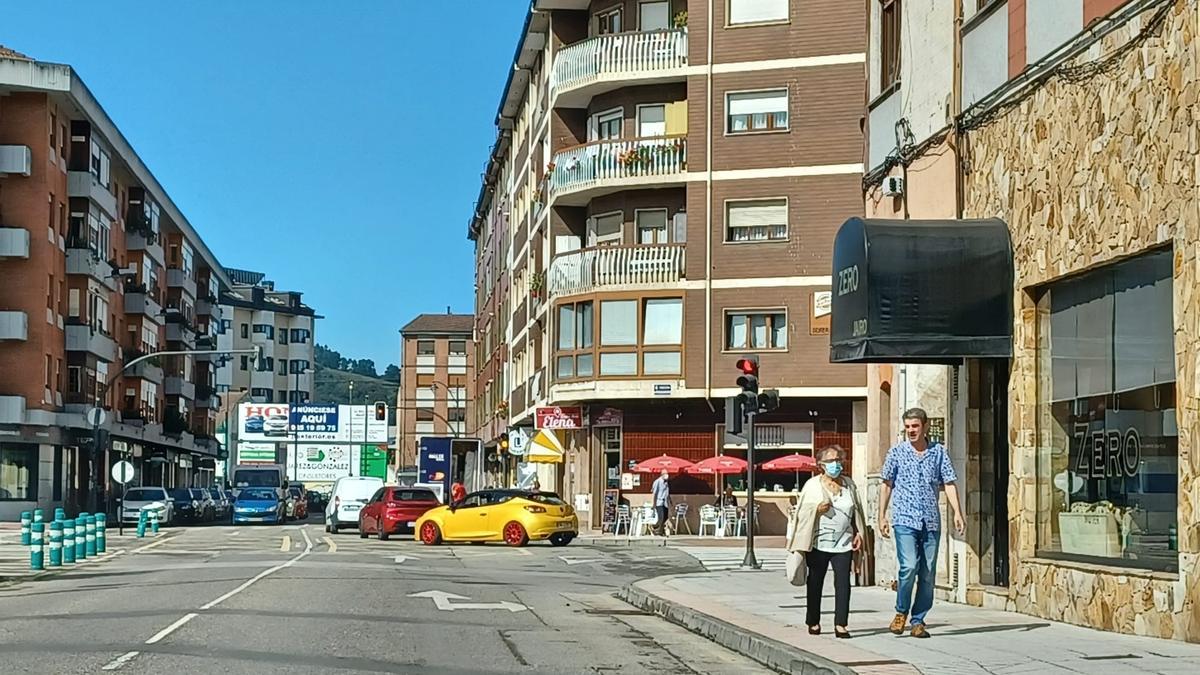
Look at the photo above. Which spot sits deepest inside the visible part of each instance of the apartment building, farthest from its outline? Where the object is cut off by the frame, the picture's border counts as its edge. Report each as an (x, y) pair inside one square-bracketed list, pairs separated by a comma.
[(1055, 137), (255, 314), (436, 381), (661, 200), (97, 267)]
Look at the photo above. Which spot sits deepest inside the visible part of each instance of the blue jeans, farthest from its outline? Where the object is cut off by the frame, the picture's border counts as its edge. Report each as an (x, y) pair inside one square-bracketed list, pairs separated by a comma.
[(916, 552)]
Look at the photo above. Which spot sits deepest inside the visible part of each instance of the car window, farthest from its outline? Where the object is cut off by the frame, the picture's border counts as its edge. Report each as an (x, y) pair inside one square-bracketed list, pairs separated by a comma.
[(257, 493), (472, 500), (499, 497), (545, 498), (413, 496), (378, 496), (181, 493), (143, 495)]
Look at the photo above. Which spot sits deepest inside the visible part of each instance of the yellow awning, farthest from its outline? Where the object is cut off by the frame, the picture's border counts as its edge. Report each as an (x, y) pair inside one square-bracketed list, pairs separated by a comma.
[(545, 448)]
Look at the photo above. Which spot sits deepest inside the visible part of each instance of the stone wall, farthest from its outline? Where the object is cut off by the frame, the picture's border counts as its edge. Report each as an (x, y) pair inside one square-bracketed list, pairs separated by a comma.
[(1086, 173)]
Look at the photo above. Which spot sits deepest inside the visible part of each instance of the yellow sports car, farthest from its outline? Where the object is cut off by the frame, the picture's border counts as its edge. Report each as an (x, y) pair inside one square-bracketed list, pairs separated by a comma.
[(511, 516)]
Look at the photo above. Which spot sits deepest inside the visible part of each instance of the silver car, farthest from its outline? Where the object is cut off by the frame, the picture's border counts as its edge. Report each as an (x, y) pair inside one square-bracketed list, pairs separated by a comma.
[(138, 497)]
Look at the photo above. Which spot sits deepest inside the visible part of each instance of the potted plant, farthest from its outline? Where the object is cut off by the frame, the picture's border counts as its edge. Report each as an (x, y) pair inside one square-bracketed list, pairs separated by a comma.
[(681, 19), (537, 283)]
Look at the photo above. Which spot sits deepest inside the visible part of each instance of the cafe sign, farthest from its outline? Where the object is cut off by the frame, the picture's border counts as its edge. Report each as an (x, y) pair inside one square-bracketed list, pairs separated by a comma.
[(559, 417)]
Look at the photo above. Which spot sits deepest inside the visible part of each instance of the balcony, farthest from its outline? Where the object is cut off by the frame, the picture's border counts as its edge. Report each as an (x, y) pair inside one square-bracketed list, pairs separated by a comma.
[(615, 268), (177, 278), (207, 306), (87, 262), (139, 302), (84, 184), (12, 409), (178, 331), (16, 159), (147, 370), (584, 172), (142, 240), (14, 326), (177, 386), (14, 242), (606, 62), (206, 397), (83, 338)]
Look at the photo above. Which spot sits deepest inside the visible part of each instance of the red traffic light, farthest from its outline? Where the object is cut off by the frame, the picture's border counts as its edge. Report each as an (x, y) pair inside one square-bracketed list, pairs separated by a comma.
[(381, 412), (748, 365)]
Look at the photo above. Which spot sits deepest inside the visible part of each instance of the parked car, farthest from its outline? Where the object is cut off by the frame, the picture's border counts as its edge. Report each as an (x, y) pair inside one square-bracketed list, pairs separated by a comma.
[(350, 493), (299, 502), (258, 505), (186, 506), (512, 516), (254, 424), (138, 497), (208, 506), (221, 503), (276, 425), (316, 501), (393, 509)]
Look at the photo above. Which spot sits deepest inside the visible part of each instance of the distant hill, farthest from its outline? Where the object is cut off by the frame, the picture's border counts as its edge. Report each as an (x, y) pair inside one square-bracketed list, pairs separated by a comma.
[(333, 386)]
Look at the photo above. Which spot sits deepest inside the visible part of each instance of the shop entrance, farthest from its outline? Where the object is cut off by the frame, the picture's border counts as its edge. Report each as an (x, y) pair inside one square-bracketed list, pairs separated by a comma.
[(994, 471)]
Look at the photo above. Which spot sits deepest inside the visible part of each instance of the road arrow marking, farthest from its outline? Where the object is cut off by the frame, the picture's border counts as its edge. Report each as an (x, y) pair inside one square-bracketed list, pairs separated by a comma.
[(578, 561), (442, 600)]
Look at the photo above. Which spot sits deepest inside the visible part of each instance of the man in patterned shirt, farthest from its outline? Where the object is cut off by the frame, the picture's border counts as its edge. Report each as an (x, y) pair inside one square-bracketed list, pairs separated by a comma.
[(916, 471)]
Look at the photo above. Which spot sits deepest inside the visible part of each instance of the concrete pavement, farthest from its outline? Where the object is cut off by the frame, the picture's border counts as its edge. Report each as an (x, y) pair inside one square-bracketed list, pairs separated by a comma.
[(293, 598)]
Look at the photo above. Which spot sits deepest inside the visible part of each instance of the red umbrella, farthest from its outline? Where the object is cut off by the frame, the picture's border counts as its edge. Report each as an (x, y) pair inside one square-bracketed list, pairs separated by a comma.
[(795, 462), (721, 464), (667, 462)]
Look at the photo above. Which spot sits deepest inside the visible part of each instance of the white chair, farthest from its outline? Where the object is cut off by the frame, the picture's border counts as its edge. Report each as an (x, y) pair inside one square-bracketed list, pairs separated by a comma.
[(709, 517), (649, 520), (623, 517), (681, 511), (733, 521)]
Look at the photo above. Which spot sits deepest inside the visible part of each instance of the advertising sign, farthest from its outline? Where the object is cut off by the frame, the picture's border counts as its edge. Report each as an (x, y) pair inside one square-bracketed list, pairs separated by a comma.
[(609, 417), (320, 463), (310, 423), (433, 462), (255, 453), (559, 417), (517, 440), (822, 313)]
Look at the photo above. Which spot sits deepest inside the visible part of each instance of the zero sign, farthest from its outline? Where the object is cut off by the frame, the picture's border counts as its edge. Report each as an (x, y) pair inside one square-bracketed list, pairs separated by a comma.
[(122, 472)]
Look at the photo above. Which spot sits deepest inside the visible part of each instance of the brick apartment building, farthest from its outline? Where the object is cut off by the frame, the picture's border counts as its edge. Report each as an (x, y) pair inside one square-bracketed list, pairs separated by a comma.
[(97, 266), (661, 199), (436, 381)]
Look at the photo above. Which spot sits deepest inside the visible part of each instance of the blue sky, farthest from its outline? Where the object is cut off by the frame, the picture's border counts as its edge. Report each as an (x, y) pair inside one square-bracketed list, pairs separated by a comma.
[(338, 150)]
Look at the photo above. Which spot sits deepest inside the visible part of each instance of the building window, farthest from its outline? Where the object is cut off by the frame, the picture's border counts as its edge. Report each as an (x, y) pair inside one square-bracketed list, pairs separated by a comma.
[(424, 414), (457, 414), (300, 335), (18, 472), (245, 362), (1108, 470), (458, 348), (283, 335), (245, 330), (607, 125), (606, 230), (618, 323), (757, 11), (662, 336), (283, 368), (758, 220), (889, 43), (756, 330), (265, 329), (576, 335), (652, 121), (608, 22), (425, 347), (754, 111), (652, 226), (654, 15)]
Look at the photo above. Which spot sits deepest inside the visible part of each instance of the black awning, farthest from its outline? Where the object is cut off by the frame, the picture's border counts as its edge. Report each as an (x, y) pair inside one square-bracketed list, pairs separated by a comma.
[(921, 291)]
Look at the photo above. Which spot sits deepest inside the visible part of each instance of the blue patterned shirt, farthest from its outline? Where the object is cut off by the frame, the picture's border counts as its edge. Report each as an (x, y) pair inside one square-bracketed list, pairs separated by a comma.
[(916, 482)]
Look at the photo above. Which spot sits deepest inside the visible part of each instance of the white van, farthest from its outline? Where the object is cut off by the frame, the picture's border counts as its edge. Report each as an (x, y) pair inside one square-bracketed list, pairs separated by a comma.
[(350, 494)]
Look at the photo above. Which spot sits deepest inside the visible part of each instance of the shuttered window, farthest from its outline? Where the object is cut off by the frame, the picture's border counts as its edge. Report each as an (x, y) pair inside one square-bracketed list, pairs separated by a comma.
[(759, 220), (757, 11), (757, 111)]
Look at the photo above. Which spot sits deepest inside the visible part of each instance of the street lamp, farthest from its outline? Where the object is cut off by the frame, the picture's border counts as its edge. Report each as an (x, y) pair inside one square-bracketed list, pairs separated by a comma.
[(297, 371), (451, 393)]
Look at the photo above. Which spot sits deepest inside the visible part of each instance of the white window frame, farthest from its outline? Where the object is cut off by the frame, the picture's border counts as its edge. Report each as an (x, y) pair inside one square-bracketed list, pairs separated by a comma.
[(749, 311), (668, 227), (593, 239), (638, 120), (606, 115), (787, 99), (729, 23), (617, 8), (641, 5), (787, 225)]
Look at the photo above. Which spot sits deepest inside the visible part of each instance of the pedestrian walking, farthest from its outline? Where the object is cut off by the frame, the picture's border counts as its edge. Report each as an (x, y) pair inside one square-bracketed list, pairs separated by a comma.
[(828, 527), (661, 493), (915, 472)]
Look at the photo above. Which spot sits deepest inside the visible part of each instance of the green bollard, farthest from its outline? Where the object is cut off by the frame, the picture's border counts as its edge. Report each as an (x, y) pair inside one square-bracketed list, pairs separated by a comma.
[(60, 515), (68, 541), (26, 521), (80, 548), (39, 516), (101, 533), (141, 526), (56, 543), (154, 521), (90, 536), (36, 554)]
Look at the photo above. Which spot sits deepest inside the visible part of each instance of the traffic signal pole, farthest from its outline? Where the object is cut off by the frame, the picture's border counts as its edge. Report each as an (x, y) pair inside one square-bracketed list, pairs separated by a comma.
[(750, 560)]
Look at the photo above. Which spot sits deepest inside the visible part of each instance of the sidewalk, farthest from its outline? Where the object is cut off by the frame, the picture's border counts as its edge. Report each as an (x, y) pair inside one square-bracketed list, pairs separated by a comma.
[(14, 558), (598, 538), (760, 615)]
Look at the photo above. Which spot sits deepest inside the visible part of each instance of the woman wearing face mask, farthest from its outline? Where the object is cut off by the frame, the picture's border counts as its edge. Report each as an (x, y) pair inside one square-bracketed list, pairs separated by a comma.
[(828, 525)]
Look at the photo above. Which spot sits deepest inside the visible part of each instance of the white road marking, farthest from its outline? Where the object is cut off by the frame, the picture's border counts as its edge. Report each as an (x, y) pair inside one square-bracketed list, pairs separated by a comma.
[(522, 551), (286, 544), (332, 546), (578, 561), (120, 661), (172, 628), (442, 600), (308, 545), (233, 533), (160, 542)]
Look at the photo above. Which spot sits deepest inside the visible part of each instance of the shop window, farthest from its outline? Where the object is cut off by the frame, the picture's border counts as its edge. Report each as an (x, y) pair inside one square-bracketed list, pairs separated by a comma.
[(18, 472), (1108, 460)]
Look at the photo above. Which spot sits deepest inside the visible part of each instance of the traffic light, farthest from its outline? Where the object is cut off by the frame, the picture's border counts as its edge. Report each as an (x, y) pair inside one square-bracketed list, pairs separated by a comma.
[(734, 414), (768, 400), (381, 411), (503, 444), (748, 380)]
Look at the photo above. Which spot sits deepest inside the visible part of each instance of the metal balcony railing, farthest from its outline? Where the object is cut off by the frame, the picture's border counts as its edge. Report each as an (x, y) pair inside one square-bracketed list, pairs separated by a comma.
[(593, 269), (618, 56), (610, 161)]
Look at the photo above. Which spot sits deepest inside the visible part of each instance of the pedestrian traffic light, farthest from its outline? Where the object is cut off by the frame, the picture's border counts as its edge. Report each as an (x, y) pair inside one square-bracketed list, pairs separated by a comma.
[(380, 411), (768, 400)]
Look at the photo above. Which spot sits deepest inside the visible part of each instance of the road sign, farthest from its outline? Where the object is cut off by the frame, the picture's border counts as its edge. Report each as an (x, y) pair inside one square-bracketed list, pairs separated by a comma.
[(517, 439), (95, 416), (442, 600), (122, 472)]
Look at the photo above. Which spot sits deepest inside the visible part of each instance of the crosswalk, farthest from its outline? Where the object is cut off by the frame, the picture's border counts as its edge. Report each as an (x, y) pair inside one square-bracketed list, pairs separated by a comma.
[(716, 559)]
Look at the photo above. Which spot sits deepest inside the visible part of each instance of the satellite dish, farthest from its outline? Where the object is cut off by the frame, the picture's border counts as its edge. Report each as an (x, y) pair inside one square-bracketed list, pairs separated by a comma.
[(1068, 482)]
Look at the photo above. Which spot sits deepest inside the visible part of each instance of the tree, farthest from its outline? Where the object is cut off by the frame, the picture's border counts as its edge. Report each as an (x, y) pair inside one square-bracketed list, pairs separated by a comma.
[(364, 367), (392, 373), (326, 357)]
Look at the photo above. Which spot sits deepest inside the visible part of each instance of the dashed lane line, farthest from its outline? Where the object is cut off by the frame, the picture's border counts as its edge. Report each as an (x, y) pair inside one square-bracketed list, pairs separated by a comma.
[(286, 544), (121, 660)]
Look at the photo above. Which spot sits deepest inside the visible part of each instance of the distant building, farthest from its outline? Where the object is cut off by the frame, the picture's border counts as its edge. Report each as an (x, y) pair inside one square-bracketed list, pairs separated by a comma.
[(436, 380)]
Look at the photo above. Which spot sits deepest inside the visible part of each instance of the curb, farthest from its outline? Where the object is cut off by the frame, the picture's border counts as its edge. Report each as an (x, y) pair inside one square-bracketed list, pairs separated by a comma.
[(771, 653), (624, 543)]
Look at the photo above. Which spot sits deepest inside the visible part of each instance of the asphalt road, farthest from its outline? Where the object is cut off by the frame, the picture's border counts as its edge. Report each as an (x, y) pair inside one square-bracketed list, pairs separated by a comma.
[(295, 599)]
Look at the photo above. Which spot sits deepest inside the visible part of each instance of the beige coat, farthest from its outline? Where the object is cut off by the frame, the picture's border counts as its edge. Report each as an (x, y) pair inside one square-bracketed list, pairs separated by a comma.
[(804, 521)]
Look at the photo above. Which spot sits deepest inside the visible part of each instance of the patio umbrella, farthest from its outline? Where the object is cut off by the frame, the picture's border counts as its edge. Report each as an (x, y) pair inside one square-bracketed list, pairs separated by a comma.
[(721, 464), (667, 462), (544, 448), (794, 462)]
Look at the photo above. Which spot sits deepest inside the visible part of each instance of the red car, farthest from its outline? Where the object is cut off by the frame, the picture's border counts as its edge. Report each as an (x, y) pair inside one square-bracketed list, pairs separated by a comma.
[(393, 508)]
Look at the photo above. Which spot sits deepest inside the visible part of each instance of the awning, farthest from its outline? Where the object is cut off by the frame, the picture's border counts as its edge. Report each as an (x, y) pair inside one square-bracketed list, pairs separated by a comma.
[(921, 291), (544, 448)]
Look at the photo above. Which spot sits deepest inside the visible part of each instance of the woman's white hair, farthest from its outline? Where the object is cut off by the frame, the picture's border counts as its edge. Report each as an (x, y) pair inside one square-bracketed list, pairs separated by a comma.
[(823, 455)]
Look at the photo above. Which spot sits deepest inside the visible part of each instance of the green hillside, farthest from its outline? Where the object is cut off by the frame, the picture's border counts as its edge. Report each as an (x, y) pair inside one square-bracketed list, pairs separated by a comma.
[(333, 386)]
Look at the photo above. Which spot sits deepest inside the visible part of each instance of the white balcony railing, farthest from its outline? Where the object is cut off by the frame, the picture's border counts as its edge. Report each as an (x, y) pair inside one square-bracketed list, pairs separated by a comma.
[(618, 56), (600, 162), (606, 266)]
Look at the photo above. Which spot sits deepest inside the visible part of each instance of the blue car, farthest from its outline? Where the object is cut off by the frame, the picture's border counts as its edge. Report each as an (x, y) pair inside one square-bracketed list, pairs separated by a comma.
[(258, 505), (254, 424)]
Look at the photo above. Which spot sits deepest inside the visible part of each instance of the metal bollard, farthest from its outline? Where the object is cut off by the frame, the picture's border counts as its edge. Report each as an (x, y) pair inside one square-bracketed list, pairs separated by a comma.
[(68, 541), (36, 554), (80, 529), (90, 536), (26, 521), (101, 533), (56, 543), (154, 521)]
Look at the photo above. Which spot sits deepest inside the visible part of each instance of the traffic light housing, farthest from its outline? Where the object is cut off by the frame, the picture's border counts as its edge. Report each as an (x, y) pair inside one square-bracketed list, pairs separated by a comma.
[(768, 400), (503, 443), (381, 411), (748, 380), (734, 414)]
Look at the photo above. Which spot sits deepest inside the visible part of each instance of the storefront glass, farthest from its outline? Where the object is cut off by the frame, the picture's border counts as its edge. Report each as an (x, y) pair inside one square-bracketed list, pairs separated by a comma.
[(18, 472), (1108, 459)]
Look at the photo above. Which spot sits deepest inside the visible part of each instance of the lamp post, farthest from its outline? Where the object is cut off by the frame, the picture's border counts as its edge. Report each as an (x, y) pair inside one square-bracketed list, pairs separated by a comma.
[(297, 371), (451, 393), (228, 404)]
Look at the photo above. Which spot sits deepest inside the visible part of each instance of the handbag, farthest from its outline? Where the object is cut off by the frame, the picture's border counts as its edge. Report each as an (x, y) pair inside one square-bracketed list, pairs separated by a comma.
[(796, 568)]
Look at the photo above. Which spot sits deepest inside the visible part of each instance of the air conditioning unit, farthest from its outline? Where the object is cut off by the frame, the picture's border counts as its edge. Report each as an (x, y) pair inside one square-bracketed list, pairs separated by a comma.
[(893, 186)]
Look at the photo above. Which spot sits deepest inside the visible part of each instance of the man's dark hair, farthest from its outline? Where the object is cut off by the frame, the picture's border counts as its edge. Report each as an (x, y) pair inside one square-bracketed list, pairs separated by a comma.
[(916, 414)]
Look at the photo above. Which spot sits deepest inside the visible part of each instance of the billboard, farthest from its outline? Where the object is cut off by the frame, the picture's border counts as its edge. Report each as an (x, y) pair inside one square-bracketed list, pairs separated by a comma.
[(310, 423), (433, 462), (320, 463), (255, 453)]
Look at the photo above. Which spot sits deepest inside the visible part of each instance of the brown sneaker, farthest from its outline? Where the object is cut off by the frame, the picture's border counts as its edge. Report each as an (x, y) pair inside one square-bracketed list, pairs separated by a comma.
[(897, 626), (918, 631)]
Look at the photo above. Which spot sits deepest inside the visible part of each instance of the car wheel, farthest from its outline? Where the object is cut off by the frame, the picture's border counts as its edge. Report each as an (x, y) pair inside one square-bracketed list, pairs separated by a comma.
[(515, 535), (561, 539), (431, 534), (333, 527), (382, 532)]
